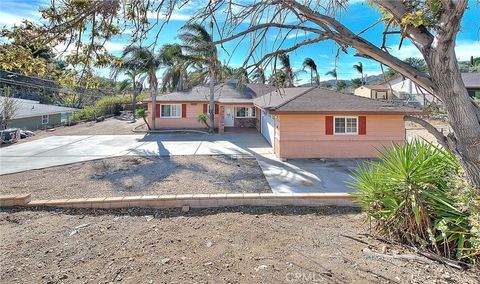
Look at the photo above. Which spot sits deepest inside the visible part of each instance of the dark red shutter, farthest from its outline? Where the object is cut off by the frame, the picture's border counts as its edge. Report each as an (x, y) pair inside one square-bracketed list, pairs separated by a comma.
[(184, 110), (362, 125), (329, 125), (216, 109), (157, 110), (205, 108)]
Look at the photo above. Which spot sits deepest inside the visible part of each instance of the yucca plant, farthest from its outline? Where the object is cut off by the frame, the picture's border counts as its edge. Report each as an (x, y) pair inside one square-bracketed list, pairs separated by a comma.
[(407, 194)]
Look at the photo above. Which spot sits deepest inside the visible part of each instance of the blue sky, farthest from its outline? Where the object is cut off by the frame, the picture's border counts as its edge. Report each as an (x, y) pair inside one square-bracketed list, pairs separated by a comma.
[(358, 16)]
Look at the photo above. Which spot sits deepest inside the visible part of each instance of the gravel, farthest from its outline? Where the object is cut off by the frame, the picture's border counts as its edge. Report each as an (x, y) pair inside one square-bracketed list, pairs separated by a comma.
[(249, 245), (133, 175)]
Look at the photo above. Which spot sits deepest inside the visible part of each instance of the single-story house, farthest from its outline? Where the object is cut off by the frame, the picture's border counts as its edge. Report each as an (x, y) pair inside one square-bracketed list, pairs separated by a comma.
[(472, 83), (376, 92), (297, 122), (33, 115)]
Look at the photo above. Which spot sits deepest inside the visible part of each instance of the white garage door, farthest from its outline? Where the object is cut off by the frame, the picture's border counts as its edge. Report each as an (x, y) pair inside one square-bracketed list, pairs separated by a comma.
[(268, 127)]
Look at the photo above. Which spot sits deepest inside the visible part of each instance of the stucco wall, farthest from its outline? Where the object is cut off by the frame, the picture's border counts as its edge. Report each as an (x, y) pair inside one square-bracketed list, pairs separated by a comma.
[(34, 123), (362, 92), (190, 121), (303, 136)]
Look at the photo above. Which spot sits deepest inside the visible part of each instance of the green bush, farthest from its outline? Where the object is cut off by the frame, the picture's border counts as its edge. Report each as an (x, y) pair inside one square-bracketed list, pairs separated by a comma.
[(415, 194), (109, 105)]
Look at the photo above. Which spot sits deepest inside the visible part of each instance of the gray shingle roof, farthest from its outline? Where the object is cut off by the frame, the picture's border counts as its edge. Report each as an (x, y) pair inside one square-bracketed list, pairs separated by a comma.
[(324, 100), (29, 108), (224, 93), (471, 80)]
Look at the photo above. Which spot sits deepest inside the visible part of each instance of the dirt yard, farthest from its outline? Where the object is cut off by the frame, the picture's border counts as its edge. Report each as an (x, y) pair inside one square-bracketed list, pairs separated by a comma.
[(133, 175), (243, 245), (414, 130)]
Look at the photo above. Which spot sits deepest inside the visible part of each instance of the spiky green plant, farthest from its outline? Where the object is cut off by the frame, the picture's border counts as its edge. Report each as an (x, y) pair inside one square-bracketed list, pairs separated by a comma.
[(408, 195)]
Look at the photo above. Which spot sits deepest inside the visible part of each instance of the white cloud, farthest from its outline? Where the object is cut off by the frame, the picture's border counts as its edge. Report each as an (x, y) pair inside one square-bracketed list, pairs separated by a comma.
[(464, 49), (176, 16), (9, 19), (114, 46)]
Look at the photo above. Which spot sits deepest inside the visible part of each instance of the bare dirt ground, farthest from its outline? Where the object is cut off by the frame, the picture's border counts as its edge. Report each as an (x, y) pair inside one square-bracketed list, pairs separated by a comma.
[(132, 175), (243, 245), (414, 130)]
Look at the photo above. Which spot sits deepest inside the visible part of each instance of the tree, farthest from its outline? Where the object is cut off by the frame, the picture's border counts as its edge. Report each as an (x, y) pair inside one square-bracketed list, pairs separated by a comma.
[(8, 108), (132, 71), (200, 50), (259, 75), (341, 85), (145, 61), (359, 68), (356, 82), (308, 62), (287, 69), (431, 26), (176, 64), (333, 73)]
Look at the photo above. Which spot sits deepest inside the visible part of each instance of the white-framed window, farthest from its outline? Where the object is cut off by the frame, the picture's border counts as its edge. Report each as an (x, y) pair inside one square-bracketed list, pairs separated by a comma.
[(346, 125), (45, 119), (245, 112), (172, 111)]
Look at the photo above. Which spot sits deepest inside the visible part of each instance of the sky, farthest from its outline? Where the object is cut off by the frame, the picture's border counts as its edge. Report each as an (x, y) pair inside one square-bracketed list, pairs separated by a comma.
[(358, 16)]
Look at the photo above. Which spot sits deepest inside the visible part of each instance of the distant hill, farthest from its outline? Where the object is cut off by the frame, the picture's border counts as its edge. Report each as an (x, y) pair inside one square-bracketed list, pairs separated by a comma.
[(368, 80)]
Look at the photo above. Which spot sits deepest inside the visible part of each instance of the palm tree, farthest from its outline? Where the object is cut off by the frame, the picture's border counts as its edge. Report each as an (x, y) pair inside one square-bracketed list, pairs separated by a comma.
[(308, 62), (287, 69), (333, 73), (147, 62), (131, 83), (259, 75), (359, 68), (176, 65), (197, 42)]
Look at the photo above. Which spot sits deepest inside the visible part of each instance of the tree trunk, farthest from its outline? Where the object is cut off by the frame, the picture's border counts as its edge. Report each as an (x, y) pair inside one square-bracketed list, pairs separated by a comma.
[(211, 103), (154, 91), (134, 99), (463, 113)]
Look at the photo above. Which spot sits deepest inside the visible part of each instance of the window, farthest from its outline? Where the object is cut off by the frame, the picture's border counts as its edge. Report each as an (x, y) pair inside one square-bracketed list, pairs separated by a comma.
[(173, 111), (381, 95), (346, 125), (245, 112), (45, 119)]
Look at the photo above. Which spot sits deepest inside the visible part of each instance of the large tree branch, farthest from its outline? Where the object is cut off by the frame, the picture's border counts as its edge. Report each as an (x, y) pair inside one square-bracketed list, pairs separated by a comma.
[(441, 139)]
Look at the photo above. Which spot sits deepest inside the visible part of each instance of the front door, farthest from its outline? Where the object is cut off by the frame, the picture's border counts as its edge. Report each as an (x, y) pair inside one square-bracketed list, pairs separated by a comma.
[(228, 117)]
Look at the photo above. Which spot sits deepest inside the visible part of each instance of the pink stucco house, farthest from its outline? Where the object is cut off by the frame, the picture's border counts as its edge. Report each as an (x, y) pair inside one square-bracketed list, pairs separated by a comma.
[(297, 122)]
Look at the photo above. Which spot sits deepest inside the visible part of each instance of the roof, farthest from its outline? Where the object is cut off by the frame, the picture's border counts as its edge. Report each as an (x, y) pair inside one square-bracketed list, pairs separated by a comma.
[(29, 108), (376, 87), (229, 92), (324, 100), (471, 80)]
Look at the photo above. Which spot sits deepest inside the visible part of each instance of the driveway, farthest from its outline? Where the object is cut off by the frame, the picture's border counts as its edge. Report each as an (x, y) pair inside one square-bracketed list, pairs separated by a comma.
[(283, 177)]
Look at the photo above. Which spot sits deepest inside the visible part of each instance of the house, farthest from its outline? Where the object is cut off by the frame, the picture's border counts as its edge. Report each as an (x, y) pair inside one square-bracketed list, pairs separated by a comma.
[(233, 106), (297, 122), (405, 89), (377, 92), (472, 83), (33, 115)]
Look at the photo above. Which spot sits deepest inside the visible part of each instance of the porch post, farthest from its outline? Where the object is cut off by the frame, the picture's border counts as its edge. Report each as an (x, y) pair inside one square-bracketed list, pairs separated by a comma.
[(221, 122)]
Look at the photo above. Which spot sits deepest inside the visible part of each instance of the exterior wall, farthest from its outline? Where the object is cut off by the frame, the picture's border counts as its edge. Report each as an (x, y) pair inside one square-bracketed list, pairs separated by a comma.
[(35, 122), (362, 92), (193, 110), (303, 136), (401, 88)]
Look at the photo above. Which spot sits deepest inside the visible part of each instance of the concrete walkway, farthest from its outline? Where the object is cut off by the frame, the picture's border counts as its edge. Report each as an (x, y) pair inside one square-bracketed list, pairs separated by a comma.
[(295, 176)]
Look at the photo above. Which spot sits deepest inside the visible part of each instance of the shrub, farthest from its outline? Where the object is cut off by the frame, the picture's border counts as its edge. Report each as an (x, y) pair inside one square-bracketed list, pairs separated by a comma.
[(415, 194), (105, 106), (141, 112), (203, 118)]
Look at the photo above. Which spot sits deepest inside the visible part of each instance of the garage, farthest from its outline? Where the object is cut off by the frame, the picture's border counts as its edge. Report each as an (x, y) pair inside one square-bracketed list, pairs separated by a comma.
[(268, 127)]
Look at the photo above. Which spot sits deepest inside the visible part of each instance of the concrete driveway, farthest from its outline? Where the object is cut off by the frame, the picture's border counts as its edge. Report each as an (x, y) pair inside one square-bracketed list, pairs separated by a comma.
[(283, 177)]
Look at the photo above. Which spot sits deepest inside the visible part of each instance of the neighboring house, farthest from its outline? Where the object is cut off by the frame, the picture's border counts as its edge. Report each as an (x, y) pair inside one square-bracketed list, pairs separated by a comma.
[(472, 83), (297, 122), (406, 90), (376, 92), (33, 115)]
